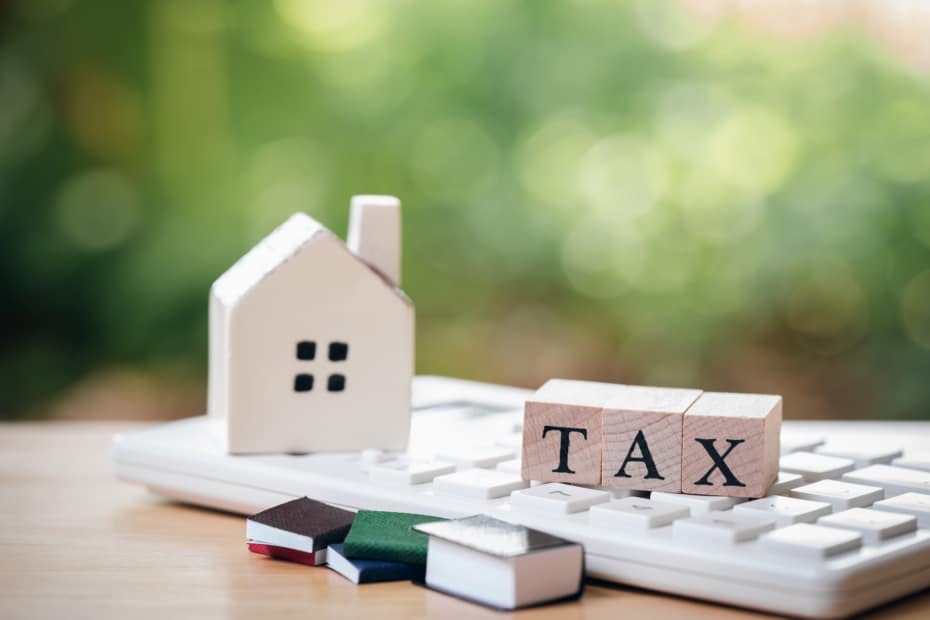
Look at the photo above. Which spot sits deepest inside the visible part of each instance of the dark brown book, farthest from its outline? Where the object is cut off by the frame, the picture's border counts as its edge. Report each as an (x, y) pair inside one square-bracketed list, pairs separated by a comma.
[(302, 524)]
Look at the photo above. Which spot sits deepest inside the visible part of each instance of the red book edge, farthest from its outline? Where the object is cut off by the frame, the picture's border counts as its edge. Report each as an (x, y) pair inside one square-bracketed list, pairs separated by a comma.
[(283, 553)]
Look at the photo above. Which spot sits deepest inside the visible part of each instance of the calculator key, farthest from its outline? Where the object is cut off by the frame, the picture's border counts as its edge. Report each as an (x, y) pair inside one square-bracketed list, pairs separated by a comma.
[(511, 442), (810, 542), (786, 510), (874, 525), (914, 504), (484, 456), (841, 495), (785, 482), (699, 504), (371, 457), (799, 443), (636, 512), (512, 466), (558, 498), (895, 480), (409, 472), (914, 460), (814, 467), (862, 454), (478, 483), (723, 527), (617, 493)]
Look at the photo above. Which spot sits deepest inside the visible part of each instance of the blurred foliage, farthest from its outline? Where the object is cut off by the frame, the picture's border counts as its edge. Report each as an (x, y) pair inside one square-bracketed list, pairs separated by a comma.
[(621, 191)]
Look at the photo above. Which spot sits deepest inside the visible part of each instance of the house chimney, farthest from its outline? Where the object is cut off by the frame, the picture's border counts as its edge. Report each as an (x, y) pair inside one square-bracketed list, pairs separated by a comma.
[(374, 233)]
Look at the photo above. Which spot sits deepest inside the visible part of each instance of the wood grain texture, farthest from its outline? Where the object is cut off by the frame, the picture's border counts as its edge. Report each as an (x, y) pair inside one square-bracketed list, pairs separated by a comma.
[(564, 404), (720, 419), (77, 543), (644, 424)]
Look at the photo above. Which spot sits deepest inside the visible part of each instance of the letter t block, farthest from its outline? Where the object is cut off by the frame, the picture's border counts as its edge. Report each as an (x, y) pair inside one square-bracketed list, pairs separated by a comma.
[(562, 432), (730, 444)]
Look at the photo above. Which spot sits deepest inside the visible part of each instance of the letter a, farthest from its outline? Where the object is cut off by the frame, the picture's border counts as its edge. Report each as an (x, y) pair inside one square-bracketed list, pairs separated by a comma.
[(646, 458)]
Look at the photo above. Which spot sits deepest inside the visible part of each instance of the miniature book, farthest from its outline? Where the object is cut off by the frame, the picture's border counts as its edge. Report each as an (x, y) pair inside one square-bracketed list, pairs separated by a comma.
[(299, 530), (291, 555), (501, 565), (377, 535), (371, 571)]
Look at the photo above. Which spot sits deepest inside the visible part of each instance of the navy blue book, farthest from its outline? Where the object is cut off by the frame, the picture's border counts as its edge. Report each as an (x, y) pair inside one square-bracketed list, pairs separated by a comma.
[(371, 571)]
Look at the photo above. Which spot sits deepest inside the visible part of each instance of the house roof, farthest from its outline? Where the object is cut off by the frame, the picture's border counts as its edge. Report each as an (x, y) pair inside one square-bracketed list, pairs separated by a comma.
[(284, 242)]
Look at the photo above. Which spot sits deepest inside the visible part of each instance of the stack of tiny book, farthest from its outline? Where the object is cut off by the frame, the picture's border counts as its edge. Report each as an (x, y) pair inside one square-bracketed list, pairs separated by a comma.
[(379, 546), (478, 558), (382, 546)]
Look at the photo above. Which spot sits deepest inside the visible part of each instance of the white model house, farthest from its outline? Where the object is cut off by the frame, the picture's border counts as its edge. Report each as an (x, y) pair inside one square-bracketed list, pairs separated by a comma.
[(311, 341)]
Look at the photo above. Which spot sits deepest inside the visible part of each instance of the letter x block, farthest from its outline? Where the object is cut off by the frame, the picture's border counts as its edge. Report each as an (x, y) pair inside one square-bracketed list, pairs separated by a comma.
[(642, 437), (562, 432), (730, 444)]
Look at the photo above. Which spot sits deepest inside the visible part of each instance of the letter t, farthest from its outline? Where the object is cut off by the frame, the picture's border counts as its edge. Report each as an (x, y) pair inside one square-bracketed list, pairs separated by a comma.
[(565, 433)]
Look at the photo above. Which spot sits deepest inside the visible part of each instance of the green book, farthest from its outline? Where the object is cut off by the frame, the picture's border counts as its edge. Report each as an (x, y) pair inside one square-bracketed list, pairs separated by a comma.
[(377, 535)]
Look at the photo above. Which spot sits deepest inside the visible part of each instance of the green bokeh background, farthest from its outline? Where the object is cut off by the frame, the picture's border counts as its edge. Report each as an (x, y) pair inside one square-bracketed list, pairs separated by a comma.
[(622, 191)]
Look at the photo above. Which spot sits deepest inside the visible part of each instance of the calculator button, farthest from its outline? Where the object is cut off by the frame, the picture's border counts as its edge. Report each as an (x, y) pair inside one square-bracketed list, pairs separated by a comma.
[(373, 455), (814, 467), (485, 456), (862, 454), (699, 504), (369, 458), (511, 442), (636, 512), (722, 527), (914, 460), (558, 498), (478, 484), (512, 466), (803, 540), (617, 493), (791, 443), (874, 525), (409, 472), (785, 482), (786, 510), (895, 480), (841, 495), (914, 504)]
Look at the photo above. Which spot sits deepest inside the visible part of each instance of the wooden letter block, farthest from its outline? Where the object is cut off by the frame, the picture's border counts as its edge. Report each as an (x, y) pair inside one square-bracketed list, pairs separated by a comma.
[(642, 437), (730, 444), (562, 432)]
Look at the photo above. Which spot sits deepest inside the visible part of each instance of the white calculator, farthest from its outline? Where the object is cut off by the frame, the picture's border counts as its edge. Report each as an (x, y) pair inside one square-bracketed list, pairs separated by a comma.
[(845, 528)]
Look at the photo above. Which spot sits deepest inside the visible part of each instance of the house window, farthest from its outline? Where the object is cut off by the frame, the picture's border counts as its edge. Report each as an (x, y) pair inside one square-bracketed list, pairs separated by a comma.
[(338, 351), (306, 350), (336, 383), (303, 382)]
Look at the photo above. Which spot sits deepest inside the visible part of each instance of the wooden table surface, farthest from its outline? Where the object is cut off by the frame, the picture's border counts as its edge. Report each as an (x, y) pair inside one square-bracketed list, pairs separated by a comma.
[(76, 543)]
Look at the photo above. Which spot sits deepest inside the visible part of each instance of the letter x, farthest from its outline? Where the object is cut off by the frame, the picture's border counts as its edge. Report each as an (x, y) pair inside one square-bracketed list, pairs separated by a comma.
[(729, 479)]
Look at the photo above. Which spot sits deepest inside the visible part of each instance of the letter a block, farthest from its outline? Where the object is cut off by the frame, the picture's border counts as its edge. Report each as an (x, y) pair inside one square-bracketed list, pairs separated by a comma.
[(642, 437), (562, 432), (730, 444)]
